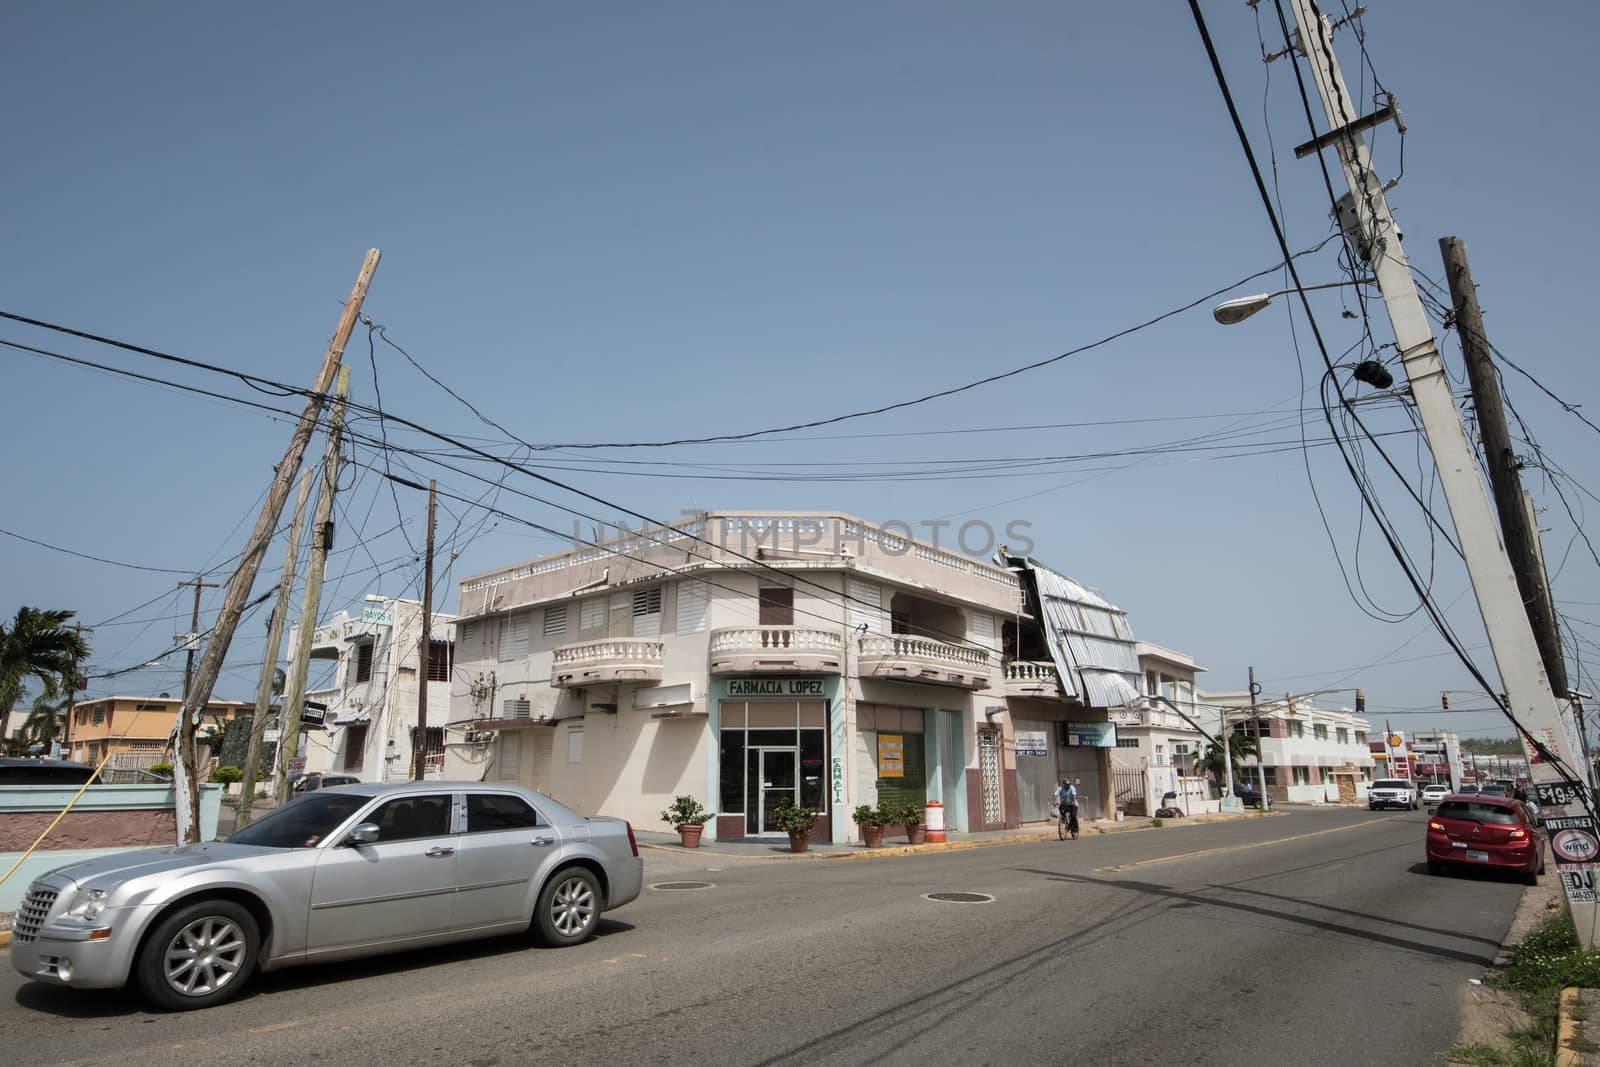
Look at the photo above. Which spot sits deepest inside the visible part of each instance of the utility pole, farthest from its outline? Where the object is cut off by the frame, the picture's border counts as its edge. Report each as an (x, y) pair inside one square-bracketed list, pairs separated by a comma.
[(269, 662), (186, 756), (244, 577), (72, 690), (419, 754), (1520, 535), (1366, 218), (1261, 753), (294, 691)]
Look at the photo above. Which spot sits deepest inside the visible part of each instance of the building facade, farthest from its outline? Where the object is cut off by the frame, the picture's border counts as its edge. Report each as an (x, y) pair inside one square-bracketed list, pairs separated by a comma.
[(366, 670), (1309, 755), (133, 731)]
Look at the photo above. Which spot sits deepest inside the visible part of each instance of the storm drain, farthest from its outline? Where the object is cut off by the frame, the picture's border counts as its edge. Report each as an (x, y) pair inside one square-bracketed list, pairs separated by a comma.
[(682, 885), (961, 898)]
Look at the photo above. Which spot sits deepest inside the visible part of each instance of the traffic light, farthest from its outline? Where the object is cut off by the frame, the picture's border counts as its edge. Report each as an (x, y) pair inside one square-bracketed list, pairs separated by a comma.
[(1444, 701)]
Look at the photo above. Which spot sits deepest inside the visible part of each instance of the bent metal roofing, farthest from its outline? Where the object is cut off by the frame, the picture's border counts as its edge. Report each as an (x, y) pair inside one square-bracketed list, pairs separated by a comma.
[(1089, 637)]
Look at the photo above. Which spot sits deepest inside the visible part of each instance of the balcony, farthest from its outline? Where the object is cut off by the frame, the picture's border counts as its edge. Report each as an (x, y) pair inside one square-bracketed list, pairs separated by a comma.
[(908, 658), (786, 649), (606, 661), (1029, 678)]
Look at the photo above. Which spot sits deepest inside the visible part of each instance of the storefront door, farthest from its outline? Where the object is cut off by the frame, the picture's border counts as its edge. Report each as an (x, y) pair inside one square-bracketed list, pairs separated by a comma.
[(780, 778)]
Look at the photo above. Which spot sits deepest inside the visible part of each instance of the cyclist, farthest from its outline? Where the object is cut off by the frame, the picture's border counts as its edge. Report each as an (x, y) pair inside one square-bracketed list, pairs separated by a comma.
[(1066, 798)]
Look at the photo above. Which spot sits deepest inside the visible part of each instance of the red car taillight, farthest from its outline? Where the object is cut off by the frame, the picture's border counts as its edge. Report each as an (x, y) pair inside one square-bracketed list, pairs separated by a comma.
[(1435, 825), (1517, 834), (631, 842)]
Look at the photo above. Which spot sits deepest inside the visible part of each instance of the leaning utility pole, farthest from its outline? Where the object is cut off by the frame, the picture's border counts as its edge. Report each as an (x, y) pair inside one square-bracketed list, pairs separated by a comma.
[(1365, 216), (244, 577), (1521, 539), (72, 690), (294, 691), (269, 662), (419, 747), (1261, 753), (184, 744)]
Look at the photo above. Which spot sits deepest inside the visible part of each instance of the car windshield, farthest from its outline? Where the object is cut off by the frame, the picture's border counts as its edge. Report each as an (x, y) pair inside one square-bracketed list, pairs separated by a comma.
[(1477, 811), (301, 823), (1391, 783)]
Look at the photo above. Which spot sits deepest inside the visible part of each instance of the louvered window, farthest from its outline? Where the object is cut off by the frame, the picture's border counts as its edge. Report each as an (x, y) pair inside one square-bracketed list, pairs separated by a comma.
[(518, 708), (555, 620), (513, 637), (694, 598), (647, 612), (574, 744), (592, 613), (865, 605)]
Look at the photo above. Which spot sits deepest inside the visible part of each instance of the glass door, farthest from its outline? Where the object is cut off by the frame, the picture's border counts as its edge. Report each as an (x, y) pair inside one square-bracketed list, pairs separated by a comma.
[(780, 778)]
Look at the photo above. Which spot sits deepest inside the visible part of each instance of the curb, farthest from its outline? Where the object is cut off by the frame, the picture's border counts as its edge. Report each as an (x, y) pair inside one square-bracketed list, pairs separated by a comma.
[(1568, 1029)]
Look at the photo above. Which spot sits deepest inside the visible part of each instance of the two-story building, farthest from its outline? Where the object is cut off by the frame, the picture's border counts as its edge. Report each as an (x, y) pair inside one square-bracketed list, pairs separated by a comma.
[(133, 730), (1309, 754), (366, 670)]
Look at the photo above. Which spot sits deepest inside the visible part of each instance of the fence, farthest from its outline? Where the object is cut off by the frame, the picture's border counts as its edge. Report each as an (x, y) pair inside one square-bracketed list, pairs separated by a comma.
[(1128, 787)]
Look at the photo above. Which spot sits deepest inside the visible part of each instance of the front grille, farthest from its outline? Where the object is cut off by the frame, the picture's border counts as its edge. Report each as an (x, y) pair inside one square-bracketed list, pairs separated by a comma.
[(31, 916)]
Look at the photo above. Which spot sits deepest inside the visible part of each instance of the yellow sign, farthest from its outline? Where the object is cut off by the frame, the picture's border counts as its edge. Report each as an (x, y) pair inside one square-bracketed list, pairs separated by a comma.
[(891, 756), (1395, 741)]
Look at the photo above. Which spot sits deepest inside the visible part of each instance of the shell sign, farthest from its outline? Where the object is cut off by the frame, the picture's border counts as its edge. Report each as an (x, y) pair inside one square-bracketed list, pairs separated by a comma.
[(1395, 741)]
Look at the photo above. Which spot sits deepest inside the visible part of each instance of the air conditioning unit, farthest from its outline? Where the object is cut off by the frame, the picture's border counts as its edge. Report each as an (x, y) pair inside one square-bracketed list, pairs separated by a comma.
[(518, 708)]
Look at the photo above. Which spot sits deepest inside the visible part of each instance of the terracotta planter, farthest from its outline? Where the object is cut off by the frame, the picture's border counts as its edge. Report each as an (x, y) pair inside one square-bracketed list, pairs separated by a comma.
[(917, 834), (799, 842), (689, 834), (872, 836)]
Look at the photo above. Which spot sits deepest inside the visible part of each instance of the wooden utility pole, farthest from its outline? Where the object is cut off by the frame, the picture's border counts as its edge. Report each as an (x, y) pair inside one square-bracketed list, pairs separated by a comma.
[(244, 577), (185, 754), (1261, 753), (294, 692), (269, 664), (1521, 537), (419, 747), (72, 690)]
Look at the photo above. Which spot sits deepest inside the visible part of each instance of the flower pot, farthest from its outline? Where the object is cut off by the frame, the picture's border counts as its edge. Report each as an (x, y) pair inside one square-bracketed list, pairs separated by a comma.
[(917, 834), (799, 842), (689, 834), (872, 836)]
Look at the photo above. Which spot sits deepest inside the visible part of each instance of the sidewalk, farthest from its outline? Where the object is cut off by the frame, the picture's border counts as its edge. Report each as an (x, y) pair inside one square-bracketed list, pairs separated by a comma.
[(776, 849)]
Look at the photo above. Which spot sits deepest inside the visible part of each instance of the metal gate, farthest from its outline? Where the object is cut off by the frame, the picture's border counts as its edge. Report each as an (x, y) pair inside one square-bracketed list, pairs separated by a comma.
[(1127, 784), (1036, 770), (989, 776)]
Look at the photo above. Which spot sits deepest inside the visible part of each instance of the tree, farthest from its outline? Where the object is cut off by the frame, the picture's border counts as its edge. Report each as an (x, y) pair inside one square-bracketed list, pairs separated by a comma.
[(38, 644), (1240, 746), (44, 721)]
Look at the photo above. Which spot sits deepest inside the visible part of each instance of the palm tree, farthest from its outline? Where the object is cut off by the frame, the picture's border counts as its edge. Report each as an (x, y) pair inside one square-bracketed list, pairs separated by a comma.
[(1240, 746), (44, 721), (38, 644)]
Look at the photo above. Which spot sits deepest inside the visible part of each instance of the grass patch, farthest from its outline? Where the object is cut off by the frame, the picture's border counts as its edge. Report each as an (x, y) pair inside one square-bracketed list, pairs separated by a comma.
[(1548, 960), (1157, 823)]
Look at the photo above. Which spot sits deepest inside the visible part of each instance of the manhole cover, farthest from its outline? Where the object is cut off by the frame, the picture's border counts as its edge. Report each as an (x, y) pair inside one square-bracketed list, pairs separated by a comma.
[(682, 885), (961, 898)]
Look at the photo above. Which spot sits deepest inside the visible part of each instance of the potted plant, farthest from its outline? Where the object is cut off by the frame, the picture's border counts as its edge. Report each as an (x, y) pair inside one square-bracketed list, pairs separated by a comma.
[(911, 817), (871, 821), (689, 818), (796, 822)]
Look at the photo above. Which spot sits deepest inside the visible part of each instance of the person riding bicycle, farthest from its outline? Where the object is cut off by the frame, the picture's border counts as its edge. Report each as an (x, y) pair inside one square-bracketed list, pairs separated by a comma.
[(1066, 798)]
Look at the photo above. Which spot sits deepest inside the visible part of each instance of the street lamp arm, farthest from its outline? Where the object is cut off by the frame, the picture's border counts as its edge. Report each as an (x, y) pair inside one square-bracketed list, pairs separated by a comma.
[(1242, 307), (1181, 714)]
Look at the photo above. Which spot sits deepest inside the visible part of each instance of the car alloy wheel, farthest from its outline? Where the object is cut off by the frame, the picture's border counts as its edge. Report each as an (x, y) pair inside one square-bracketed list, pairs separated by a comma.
[(569, 907), (199, 955), (204, 956)]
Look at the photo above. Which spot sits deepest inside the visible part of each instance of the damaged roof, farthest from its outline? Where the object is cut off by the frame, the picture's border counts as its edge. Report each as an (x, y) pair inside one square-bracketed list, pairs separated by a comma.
[(1089, 638)]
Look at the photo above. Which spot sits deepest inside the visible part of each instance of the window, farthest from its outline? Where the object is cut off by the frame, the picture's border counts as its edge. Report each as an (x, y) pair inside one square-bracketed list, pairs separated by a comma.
[(555, 620), (574, 744), (510, 757), (1302, 776), (364, 661), (899, 622), (1361, 737), (592, 613), (1297, 728), (302, 823), (435, 752), (513, 637), (1342, 735), (489, 812), (99, 714), (467, 631), (694, 600), (647, 612), (1127, 742), (409, 818), (777, 606), (1271, 775), (517, 708), (1320, 731), (440, 656), (355, 745)]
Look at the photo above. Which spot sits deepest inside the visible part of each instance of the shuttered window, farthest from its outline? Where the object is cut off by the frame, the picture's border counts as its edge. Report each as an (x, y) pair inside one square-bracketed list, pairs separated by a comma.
[(518, 708), (555, 620), (980, 628), (694, 602), (513, 637), (574, 744), (777, 606), (363, 661), (592, 613), (865, 605), (510, 757), (647, 612)]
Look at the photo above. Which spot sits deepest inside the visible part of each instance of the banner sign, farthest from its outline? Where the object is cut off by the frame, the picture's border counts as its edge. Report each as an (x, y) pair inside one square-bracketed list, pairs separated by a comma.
[(775, 687), (1032, 743), (1091, 734), (891, 756), (1576, 846)]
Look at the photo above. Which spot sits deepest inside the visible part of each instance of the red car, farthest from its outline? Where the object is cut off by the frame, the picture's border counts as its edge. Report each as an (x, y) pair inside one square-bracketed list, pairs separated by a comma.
[(1485, 831)]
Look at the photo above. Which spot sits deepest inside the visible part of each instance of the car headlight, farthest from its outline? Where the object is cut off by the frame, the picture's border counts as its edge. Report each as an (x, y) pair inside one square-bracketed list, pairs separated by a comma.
[(89, 905)]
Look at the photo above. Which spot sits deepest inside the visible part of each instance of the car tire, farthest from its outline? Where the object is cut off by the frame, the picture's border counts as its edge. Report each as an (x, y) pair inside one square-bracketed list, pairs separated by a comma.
[(1372, 807), (219, 940), (569, 908), (1435, 867)]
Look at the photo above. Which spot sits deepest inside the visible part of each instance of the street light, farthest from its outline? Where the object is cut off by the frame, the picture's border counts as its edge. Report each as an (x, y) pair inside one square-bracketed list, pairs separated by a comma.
[(1242, 307)]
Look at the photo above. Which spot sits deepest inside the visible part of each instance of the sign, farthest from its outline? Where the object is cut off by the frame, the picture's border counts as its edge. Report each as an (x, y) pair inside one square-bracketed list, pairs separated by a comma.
[(775, 687), (314, 714), (891, 756), (1577, 847), (1555, 794), (377, 616), (1579, 882), (1090, 734), (297, 767), (1032, 743), (837, 782), (1395, 741)]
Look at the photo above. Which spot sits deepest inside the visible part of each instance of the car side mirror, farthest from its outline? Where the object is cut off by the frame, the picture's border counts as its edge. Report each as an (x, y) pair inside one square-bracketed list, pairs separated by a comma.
[(363, 834)]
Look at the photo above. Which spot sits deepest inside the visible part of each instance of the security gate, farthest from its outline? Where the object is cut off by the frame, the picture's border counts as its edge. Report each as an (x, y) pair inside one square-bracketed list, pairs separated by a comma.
[(989, 777)]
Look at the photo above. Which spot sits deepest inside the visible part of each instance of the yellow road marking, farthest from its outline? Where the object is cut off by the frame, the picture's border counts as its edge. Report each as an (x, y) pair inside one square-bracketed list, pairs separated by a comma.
[(275, 1026), (1241, 848)]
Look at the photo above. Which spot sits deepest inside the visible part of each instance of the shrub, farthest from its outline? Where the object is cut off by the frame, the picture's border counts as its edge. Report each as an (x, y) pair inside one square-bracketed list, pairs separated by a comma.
[(865, 816), (793, 820), (162, 769), (227, 775), (911, 814), (686, 811), (1156, 823)]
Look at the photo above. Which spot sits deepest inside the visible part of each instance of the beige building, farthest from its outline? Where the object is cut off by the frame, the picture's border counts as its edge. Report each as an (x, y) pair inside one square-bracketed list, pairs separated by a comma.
[(742, 658), (134, 730)]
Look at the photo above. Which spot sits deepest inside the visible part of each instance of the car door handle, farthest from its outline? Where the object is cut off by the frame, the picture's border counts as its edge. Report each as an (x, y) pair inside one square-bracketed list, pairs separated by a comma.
[(540, 842), (440, 850)]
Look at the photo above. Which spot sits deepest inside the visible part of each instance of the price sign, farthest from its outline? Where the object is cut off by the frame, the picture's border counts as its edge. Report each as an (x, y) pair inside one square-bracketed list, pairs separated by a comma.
[(1556, 794)]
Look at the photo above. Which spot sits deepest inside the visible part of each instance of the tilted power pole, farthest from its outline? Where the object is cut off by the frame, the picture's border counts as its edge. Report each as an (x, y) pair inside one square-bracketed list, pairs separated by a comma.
[(420, 746)]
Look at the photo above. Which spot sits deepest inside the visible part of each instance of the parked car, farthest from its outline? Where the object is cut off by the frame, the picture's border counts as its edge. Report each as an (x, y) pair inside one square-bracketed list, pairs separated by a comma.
[(333, 874), (19, 770), (1485, 831), (1467, 791), (319, 780), (1252, 799), (1391, 793), (1433, 793), (1494, 789)]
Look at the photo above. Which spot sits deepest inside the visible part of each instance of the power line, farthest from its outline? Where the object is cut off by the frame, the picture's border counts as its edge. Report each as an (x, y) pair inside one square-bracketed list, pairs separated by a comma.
[(95, 559)]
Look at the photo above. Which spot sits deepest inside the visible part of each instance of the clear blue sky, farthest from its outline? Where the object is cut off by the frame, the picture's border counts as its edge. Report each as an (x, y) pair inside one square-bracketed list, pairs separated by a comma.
[(630, 222)]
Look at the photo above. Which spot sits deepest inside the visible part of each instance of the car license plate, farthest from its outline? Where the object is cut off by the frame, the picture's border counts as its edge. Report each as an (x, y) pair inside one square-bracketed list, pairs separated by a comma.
[(1481, 857), (1458, 844)]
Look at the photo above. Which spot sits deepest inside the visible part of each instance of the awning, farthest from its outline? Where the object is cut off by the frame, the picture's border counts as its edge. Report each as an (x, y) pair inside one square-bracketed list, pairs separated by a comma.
[(352, 718)]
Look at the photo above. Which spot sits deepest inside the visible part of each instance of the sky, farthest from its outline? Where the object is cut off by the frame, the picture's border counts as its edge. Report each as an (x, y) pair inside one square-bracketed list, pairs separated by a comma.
[(631, 222)]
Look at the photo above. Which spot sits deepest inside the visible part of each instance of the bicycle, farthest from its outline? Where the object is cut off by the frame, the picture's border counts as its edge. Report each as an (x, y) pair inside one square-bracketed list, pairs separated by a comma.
[(1067, 821)]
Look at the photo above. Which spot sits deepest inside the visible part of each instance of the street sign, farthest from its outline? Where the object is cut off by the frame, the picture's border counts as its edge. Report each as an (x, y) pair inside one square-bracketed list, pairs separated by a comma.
[(1576, 846), (297, 767), (377, 616), (313, 714)]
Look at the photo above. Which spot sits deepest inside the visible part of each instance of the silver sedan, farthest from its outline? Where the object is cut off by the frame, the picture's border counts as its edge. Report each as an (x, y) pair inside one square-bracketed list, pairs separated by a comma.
[(335, 874)]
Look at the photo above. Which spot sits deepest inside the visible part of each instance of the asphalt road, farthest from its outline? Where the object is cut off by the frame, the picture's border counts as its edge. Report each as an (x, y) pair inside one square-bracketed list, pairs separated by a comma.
[(1313, 937)]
